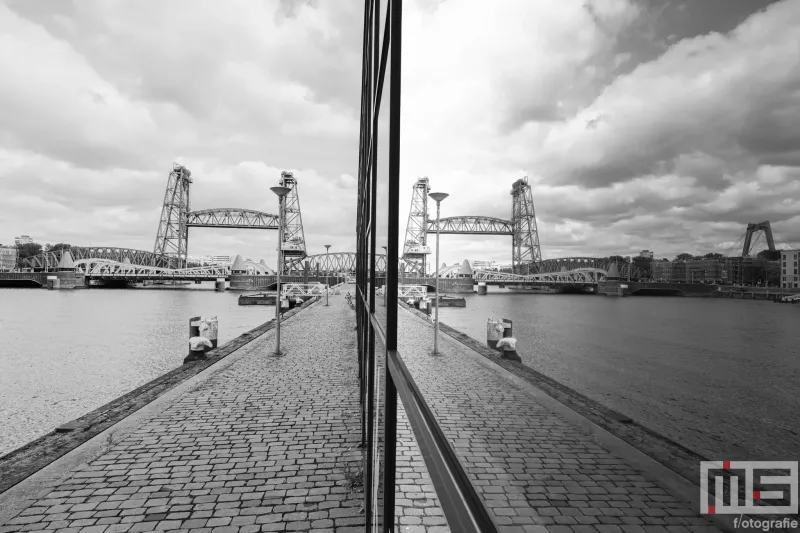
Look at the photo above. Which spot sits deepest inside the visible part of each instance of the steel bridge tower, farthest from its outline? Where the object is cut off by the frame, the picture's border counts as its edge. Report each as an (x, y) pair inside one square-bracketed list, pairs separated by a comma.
[(753, 228), (294, 242), (173, 234), (415, 248), (526, 252)]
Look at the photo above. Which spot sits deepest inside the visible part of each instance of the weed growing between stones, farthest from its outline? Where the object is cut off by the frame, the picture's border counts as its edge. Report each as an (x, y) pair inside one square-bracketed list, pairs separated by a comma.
[(352, 471)]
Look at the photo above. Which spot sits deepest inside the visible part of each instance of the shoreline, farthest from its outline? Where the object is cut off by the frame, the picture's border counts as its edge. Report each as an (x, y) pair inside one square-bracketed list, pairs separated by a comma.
[(674, 456), (28, 459)]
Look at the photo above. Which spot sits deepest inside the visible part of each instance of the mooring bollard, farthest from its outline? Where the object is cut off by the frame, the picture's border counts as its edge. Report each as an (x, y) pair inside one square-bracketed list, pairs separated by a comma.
[(508, 345), (508, 327), (202, 337), (496, 330)]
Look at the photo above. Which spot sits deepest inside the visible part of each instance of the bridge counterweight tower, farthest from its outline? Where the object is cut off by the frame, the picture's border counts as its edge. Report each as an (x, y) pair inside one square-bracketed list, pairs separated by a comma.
[(415, 248), (294, 242), (173, 233), (526, 252)]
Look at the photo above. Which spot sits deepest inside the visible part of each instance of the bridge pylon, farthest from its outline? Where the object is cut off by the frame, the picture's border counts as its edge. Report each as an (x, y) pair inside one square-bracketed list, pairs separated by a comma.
[(526, 252), (753, 228), (172, 238), (294, 242), (415, 248)]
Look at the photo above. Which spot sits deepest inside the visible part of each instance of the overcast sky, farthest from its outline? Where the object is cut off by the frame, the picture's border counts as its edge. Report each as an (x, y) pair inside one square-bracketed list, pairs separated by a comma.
[(665, 125)]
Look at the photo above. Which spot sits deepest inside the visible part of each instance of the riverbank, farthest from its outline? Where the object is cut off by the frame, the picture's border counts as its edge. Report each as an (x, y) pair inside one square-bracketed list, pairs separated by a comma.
[(23, 462), (259, 442), (719, 376), (255, 442)]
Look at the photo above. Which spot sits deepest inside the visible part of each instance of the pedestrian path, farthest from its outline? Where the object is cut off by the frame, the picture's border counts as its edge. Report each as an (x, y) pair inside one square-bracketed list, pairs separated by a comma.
[(534, 471), (263, 444)]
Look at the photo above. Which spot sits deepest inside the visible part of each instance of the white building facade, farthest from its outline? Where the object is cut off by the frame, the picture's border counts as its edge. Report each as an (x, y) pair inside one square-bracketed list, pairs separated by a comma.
[(789, 265), (8, 258)]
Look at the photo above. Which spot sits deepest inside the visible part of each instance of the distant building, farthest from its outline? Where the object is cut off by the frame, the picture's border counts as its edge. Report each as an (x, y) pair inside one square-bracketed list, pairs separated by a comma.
[(8, 258), (661, 270), (746, 270), (484, 265), (23, 239), (647, 254), (220, 259), (789, 265), (706, 271)]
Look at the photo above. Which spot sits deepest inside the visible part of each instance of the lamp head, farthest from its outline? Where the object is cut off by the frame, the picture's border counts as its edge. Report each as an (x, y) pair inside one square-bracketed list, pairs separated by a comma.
[(327, 246), (438, 196), (280, 190)]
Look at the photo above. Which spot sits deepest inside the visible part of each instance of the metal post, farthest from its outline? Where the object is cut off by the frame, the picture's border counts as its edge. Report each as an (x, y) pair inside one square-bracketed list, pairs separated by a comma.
[(384, 274), (281, 192), (436, 325), (438, 197), (278, 279), (327, 272)]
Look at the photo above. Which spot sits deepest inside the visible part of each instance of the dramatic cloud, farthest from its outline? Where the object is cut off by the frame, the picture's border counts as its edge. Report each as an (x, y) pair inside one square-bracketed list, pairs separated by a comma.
[(664, 125)]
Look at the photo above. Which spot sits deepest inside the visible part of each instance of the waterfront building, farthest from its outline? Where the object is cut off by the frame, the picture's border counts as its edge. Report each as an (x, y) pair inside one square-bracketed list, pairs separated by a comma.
[(220, 259), (23, 239), (8, 258), (746, 270), (705, 271), (661, 271), (678, 271), (647, 254), (465, 271), (789, 265)]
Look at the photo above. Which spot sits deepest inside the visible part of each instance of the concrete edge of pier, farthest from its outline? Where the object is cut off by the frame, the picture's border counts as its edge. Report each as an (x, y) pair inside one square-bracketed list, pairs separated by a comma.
[(29, 472), (664, 461)]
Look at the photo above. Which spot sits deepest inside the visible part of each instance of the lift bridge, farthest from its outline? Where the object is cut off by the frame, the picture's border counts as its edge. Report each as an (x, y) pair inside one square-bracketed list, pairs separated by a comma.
[(172, 237), (169, 259), (526, 252)]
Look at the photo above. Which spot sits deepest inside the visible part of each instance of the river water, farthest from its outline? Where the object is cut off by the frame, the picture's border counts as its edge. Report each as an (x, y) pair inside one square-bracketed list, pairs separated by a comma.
[(722, 377), (66, 353)]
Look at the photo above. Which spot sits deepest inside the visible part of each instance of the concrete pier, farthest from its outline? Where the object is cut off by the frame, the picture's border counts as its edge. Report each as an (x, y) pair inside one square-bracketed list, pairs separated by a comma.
[(255, 443), (259, 443)]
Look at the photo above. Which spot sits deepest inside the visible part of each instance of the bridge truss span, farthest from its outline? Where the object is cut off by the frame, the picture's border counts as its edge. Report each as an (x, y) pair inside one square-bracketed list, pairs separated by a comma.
[(102, 269), (335, 262), (50, 260), (579, 276), (225, 217), (581, 263), (472, 225)]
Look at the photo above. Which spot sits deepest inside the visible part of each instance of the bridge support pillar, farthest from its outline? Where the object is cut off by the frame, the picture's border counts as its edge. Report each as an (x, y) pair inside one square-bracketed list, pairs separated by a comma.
[(482, 288)]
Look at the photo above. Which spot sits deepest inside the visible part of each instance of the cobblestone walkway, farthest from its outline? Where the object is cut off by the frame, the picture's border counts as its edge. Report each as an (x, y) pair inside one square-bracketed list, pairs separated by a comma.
[(266, 444), (534, 471)]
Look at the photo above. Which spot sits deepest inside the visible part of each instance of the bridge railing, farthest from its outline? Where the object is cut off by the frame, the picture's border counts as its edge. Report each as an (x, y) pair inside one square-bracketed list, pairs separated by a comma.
[(303, 289)]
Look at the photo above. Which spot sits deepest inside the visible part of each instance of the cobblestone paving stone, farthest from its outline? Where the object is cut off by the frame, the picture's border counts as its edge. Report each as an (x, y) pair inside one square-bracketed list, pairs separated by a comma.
[(266, 444), (534, 471), (416, 505)]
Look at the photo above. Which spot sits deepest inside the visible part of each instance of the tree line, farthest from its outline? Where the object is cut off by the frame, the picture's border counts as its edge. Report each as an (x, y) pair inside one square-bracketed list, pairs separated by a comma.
[(31, 249)]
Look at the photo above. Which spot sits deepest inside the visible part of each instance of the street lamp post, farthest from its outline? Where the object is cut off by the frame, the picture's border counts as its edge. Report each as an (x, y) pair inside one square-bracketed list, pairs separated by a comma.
[(281, 192), (437, 197), (384, 276), (327, 272)]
